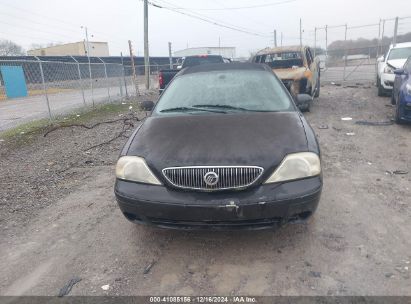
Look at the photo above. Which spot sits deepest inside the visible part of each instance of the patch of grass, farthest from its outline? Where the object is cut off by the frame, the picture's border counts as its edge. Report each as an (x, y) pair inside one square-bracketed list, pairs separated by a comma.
[(27, 131)]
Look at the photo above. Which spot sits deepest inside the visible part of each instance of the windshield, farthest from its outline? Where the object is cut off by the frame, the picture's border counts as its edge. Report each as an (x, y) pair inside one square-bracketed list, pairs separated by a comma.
[(225, 92), (198, 60), (402, 53)]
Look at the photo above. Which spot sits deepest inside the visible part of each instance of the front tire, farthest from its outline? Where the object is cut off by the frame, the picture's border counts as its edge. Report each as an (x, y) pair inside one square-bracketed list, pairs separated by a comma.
[(307, 108)]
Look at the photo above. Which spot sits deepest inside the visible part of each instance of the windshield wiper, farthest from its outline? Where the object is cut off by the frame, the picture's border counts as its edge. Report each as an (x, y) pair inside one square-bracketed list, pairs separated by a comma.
[(190, 109), (228, 107)]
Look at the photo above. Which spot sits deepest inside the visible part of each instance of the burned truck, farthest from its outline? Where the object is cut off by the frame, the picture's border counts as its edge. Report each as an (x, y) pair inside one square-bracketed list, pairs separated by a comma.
[(296, 67)]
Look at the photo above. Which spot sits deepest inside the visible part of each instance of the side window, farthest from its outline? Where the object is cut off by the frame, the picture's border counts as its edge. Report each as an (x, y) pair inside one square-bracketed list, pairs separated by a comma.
[(268, 59), (309, 57)]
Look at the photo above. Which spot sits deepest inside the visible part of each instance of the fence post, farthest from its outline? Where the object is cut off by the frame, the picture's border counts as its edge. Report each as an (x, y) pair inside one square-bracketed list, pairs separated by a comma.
[(108, 84), (91, 79), (345, 52), (326, 44), (80, 80), (133, 67), (170, 55), (44, 87), (120, 86), (124, 75), (382, 37), (379, 39)]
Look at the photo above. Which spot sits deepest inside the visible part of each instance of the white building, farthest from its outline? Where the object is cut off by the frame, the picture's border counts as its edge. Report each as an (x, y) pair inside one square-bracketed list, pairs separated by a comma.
[(226, 52), (97, 49)]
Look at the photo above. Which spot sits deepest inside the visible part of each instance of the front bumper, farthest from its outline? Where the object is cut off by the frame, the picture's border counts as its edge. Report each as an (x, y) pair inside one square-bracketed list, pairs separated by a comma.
[(387, 81), (266, 206)]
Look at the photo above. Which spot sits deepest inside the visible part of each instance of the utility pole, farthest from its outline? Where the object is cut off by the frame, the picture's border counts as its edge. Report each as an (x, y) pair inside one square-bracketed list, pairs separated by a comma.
[(170, 55), (301, 33), (219, 46), (275, 38), (315, 42), (89, 63), (394, 42), (146, 47), (281, 38), (133, 66)]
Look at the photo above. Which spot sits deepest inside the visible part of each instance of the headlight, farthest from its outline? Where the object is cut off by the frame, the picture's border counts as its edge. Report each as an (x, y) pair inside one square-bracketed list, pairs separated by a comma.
[(296, 166), (135, 169), (388, 70), (408, 87)]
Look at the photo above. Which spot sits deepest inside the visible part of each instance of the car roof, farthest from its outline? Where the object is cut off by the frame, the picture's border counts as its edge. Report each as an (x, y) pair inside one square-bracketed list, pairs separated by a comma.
[(401, 45), (225, 67)]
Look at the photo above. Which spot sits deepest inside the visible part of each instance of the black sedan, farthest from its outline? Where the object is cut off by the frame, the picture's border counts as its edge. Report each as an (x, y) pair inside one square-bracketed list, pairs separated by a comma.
[(224, 148)]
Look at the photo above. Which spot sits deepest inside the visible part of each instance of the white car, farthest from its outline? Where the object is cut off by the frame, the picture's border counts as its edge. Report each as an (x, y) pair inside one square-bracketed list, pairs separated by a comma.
[(394, 59)]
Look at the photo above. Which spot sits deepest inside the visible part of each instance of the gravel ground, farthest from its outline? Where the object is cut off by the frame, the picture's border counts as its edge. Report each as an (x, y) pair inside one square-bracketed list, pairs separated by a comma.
[(59, 219)]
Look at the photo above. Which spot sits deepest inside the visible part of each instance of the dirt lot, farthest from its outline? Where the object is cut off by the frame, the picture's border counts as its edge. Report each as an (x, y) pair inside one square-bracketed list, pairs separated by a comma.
[(59, 219)]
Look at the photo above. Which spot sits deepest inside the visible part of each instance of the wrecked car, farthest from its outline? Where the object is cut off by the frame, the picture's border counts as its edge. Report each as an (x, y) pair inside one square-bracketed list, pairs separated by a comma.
[(296, 67), (225, 147)]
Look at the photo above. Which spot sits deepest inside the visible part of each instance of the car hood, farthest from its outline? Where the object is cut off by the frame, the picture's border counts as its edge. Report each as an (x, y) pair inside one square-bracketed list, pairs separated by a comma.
[(397, 63), (258, 139)]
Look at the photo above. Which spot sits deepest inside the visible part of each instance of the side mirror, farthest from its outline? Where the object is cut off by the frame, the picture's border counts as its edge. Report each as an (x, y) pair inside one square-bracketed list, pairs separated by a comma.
[(380, 59), (400, 72), (147, 105), (303, 101)]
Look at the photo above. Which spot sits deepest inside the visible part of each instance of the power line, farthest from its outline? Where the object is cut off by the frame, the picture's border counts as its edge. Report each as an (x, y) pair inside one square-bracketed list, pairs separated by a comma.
[(247, 17), (37, 30), (36, 22), (70, 28), (206, 19), (240, 7)]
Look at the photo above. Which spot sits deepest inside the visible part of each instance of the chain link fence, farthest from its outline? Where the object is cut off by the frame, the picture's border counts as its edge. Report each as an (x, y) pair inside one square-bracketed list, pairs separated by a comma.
[(349, 54), (34, 89)]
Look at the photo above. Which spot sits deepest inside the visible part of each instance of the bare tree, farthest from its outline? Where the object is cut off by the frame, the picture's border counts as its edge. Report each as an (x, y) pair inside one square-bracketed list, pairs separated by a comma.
[(9, 48)]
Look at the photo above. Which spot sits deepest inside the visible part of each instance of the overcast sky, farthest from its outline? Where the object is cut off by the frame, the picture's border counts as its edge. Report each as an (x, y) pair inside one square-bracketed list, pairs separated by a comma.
[(46, 21)]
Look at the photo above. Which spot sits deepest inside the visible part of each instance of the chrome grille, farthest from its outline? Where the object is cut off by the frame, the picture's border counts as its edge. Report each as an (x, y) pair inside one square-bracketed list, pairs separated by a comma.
[(228, 177)]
